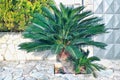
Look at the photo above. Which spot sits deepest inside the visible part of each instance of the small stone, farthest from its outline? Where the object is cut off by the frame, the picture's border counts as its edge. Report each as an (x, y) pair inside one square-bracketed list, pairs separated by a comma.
[(20, 66), (20, 78), (1, 69), (116, 78), (7, 70), (59, 78), (33, 71), (116, 74), (2, 76), (40, 76), (38, 67), (17, 73), (29, 78), (27, 70), (80, 76), (51, 70), (8, 77), (36, 75), (88, 77), (69, 76), (105, 73)]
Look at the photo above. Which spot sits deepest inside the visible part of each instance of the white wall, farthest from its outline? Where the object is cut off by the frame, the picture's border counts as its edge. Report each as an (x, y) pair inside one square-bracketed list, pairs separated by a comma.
[(109, 10), (9, 49)]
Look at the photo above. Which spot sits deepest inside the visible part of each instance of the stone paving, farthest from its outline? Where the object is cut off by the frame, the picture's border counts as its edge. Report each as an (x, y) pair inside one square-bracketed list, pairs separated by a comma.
[(44, 70)]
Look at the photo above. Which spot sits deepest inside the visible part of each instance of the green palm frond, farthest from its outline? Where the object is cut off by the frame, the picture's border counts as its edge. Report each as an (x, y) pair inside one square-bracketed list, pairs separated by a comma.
[(89, 63), (67, 26), (34, 46), (74, 51), (93, 58)]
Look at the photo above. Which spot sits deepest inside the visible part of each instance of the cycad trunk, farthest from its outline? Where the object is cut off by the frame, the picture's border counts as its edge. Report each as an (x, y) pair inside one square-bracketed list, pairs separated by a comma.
[(67, 65), (63, 55)]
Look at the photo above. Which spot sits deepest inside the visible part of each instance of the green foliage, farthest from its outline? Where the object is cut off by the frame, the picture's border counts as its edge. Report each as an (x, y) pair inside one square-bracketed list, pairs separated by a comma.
[(16, 14), (86, 63), (66, 28)]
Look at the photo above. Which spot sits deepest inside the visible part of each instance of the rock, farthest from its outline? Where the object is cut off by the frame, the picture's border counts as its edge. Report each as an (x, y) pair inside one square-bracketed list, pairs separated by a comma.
[(1, 69), (46, 68), (80, 76), (7, 70), (88, 77), (33, 71), (116, 78), (8, 77), (106, 63), (50, 70), (2, 76), (104, 78), (59, 78), (116, 65), (37, 75), (40, 76), (70, 76), (38, 67), (20, 66), (27, 70), (10, 65), (43, 70), (20, 78), (29, 78), (116, 75), (105, 73), (17, 73)]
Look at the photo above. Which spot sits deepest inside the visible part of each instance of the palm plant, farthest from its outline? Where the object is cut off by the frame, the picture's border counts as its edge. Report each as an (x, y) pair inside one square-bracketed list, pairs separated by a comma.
[(86, 64), (63, 30)]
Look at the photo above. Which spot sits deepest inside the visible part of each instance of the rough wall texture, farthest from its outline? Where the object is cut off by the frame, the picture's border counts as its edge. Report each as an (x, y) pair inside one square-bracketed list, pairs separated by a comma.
[(44, 70), (9, 49), (109, 10)]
